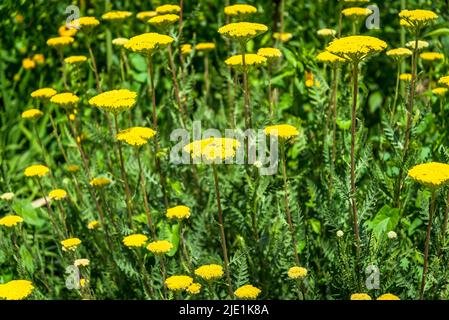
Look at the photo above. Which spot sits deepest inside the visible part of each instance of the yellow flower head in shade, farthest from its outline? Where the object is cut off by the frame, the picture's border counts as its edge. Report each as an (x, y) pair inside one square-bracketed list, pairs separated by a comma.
[(93, 225), (360, 296), (356, 1), (75, 59), (388, 296), (356, 12), (297, 272), (10, 220), (100, 182), (160, 246), (405, 77), (43, 93), (164, 20), (120, 42), (284, 131), (356, 48), (135, 240), (444, 81), (32, 114), (178, 283), (213, 149), (168, 8), (114, 101), (205, 46), (16, 289), (81, 262), (57, 194), (194, 288), (63, 31), (70, 244), (210, 272), (85, 23), (251, 59), (60, 42), (178, 212), (326, 32), (327, 57), (186, 49), (283, 36), (136, 136), (269, 53), (417, 19), (116, 15), (247, 292), (421, 45), (28, 63), (239, 10), (64, 99), (145, 15), (36, 170), (148, 43), (73, 168), (432, 174), (440, 91), (399, 53), (39, 58), (431, 56), (242, 31)]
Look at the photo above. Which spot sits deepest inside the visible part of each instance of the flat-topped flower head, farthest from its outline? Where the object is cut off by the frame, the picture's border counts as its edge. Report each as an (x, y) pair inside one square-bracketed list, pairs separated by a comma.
[(242, 31), (70, 244), (186, 49), (440, 91), (407, 77), (270, 53), (148, 43), (163, 21), (205, 46), (352, 2), (247, 292), (178, 212), (114, 101), (444, 81), (57, 194), (120, 42), (32, 114), (100, 182), (135, 240), (60, 42), (75, 59), (39, 58), (432, 174), (81, 262), (420, 45), (360, 296), (10, 220), (28, 64), (356, 12), (417, 19), (213, 149), (356, 48), (297, 272), (64, 31), (283, 36), (239, 10), (65, 99), (399, 53), (116, 15), (284, 131), (431, 56), (194, 288), (94, 224), (388, 296), (136, 136), (85, 23), (16, 290), (251, 60), (178, 283), (145, 15), (7, 196), (326, 32), (36, 170), (327, 57), (168, 8), (43, 93), (209, 272), (160, 246)]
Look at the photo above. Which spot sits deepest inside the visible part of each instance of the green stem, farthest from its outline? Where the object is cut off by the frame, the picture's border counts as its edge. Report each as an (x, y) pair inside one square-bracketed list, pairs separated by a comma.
[(426, 245)]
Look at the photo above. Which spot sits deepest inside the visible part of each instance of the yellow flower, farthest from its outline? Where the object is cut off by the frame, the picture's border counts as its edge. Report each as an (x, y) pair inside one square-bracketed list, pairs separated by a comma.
[(356, 12), (57, 194), (148, 43), (432, 174), (145, 15), (164, 20), (8, 196), (75, 59), (284, 131), (116, 15), (168, 8), (444, 81), (269, 53), (242, 31), (16, 289), (194, 288), (405, 77), (205, 46), (67, 32), (431, 56), (210, 272), (93, 225), (160, 246), (10, 220), (81, 262), (83, 282), (326, 32), (73, 168), (282, 36), (328, 57), (32, 114), (297, 272), (251, 59), (114, 101), (399, 53), (178, 283), (39, 58), (186, 49), (136, 136), (356, 48), (417, 19), (239, 10), (85, 23), (19, 18), (135, 240), (99, 182), (213, 149), (37, 170), (28, 63), (64, 99), (421, 44), (46, 93), (60, 42), (247, 292), (70, 244), (120, 42), (440, 91), (360, 296), (178, 212), (388, 296)]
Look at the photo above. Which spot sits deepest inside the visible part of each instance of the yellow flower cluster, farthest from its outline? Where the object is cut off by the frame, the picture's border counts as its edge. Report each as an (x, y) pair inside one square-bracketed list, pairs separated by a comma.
[(213, 148), (405, 77), (399, 53), (178, 212), (239, 10), (326, 32), (120, 42), (37, 170), (160, 246), (136, 136), (100, 182), (57, 194), (93, 225), (194, 288), (168, 8), (440, 91), (164, 20), (135, 240), (297, 272), (39, 58), (16, 289), (63, 31), (186, 49), (431, 56), (388, 296), (432, 174), (145, 15), (356, 48), (28, 64), (75, 59), (420, 45), (116, 15), (417, 19), (205, 46), (360, 296), (59, 42), (45, 93), (70, 244), (284, 131), (64, 99), (148, 43), (247, 292), (327, 57), (251, 59), (242, 31), (10, 220), (85, 22), (178, 283), (356, 12), (444, 81), (209, 272), (32, 114), (269, 53), (114, 101), (282, 36)]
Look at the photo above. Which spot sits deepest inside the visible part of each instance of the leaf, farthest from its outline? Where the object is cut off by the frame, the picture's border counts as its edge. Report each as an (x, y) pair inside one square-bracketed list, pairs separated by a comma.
[(316, 225), (138, 62), (438, 32), (25, 209), (385, 220), (26, 259)]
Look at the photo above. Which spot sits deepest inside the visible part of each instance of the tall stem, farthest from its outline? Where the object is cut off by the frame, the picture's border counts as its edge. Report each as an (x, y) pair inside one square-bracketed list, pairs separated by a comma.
[(175, 84), (396, 93), (50, 211), (245, 89), (64, 73), (206, 75), (94, 66), (335, 76), (144, 195), (426, 245)]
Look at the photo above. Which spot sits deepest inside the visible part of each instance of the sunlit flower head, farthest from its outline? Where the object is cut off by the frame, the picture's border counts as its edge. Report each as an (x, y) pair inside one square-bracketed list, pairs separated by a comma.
[(57, 194), (114, 101), (407, 77), (168, 8), (39, 58), (327, 57), (8, 196), (431, 56), (60, 42), (283, 36), (178, 283), (65, 99), (36, 170), (269, 53), (360, 296), (213, 149), (432, 174), (399, 53), (85, 23), (326, 32), (28, 64), (417, 19), (135, 240), (186, 49), (16, 290), (209, 272), (194, 288), (242, 31), (239, 10), (421, 45), (284, 131), (163, 21), (247, 292), (205, 46), (444, 81), (136, 136), (392, 235), (64, 31), (178, 212), (116, 15), (32, 114), (297, 273), (356, 12), (81, 262), (93, 224), (251, 59), (148, 43), (10, 221), (43, 93), (145, 15), (388, 296), (75, 59), (70, 244), (120, 42), (356, 48), (160, 246), (100, 182)]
